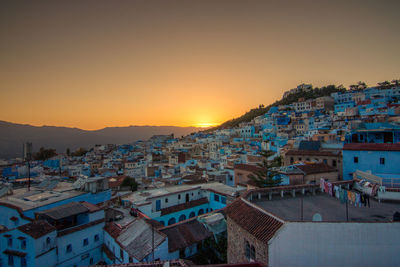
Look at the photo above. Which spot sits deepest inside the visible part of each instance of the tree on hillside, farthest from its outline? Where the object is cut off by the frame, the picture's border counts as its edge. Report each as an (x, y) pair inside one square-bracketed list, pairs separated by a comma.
[(44, 154), (266, 176), (79, 152), (384, 84), (131, 182), (396, 82)]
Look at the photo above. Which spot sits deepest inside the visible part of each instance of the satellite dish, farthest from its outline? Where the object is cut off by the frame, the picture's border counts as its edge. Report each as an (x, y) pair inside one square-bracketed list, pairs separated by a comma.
[(317, 217)]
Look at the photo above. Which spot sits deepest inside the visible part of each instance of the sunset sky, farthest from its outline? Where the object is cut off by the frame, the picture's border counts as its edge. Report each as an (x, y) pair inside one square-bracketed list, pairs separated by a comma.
[(185, 63)]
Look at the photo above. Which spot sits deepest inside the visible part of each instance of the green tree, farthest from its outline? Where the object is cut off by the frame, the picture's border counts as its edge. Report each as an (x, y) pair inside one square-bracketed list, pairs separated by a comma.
[(79, 152), (131, 182), (44, 154), (266, 176)]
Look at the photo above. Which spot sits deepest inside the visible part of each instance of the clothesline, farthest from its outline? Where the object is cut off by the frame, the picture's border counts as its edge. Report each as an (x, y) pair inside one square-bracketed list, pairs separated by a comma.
[(345, 196)]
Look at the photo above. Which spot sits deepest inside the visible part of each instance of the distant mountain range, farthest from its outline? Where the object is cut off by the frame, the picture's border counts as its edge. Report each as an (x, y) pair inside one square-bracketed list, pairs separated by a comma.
[(12, 136)]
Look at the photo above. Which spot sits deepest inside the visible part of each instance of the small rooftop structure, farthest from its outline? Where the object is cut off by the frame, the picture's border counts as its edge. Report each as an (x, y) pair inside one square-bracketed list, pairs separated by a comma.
[(37, 229), (64, 211)]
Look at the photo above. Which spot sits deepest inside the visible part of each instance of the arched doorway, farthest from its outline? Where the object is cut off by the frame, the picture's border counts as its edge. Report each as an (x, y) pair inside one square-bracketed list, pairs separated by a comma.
[(171, 221)]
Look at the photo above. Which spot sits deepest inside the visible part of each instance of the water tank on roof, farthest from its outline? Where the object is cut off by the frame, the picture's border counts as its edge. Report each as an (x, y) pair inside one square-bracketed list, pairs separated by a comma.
[(396, 216)]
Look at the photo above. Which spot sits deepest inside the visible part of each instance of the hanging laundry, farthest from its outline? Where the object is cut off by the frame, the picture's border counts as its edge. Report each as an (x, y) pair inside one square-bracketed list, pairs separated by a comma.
[(336, 189), (322, 184), (358, 200), (330, 189), (326, 188), (374, 190), (349, 196)]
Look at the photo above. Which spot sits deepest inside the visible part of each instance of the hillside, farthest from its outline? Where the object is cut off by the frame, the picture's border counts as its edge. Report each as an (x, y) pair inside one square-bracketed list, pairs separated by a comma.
[(253, 113), (60, 138)]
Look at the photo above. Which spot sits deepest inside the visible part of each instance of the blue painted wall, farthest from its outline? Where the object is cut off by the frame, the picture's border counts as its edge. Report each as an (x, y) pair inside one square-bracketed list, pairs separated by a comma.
[(370, 160)]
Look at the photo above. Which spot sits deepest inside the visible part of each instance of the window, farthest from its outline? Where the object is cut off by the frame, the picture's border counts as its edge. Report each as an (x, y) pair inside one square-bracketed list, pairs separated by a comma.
[(355, 159), (325, 161), (179, 196), (223, 200), (96, 238), (252, 253), (334, 162), (216, 197), (91, 261), (48, 241), (69, 248), (166, 200), (247, 249), (10, 260), (23, 243), (121, 254), (85, 242), (9, 241), (23, 262), (382, 161)]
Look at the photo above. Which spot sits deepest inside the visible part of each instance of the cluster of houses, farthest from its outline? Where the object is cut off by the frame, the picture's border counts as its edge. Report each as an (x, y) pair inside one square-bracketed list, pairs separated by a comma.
[(194, 193)]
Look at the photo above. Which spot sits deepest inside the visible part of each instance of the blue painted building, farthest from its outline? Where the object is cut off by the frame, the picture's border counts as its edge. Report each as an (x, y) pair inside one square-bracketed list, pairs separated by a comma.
[(376, 158), (67, 235)]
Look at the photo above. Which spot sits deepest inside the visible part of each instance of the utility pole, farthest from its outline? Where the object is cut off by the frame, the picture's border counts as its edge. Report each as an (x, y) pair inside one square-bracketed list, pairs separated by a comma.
[(152, 242)]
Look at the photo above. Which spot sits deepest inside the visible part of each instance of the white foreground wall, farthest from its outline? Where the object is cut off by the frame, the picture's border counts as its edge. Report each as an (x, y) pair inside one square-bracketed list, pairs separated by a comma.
[(336, 244)]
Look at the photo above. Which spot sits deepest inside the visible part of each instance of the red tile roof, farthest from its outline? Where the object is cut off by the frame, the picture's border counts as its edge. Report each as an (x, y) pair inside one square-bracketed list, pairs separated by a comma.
[(184, 206), (310, 153), (113, 229), (91, 207), (247, 167), (259, 224), (315, 168), (185, 234), (37, 229), (371, 147)]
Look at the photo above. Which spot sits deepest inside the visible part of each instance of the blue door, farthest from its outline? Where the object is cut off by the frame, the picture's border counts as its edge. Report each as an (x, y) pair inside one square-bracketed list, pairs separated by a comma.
[(158, 205)]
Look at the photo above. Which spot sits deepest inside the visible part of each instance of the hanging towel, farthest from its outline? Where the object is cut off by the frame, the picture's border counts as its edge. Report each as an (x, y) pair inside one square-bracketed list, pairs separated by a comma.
[(358, 200), (326, 188), (349, 196), (330, 189), (336, 189)]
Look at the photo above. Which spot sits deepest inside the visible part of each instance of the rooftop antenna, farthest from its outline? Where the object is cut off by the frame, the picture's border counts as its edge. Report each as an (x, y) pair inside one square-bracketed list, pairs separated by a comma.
[(27, 155)]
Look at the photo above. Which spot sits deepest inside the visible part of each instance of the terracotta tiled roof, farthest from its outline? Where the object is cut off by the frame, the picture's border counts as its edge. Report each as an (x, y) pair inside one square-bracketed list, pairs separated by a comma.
[(113, 230), (185, 234), (91, 207), (259, 224), (371, 147), (37, 229), (310, 153), (248, 167), (315, 168), (184, 206)]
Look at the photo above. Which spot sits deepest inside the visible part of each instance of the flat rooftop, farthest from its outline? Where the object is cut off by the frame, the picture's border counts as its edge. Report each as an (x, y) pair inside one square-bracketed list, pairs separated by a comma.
[(330, 209), (145, 195), (36, 197)]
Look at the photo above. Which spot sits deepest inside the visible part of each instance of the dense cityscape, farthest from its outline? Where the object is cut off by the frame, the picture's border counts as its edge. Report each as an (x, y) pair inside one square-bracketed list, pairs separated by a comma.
[(311, 180)]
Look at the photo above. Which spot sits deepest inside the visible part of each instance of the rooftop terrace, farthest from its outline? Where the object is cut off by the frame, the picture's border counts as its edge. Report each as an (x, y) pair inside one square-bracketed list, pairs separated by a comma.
[(330, 209)]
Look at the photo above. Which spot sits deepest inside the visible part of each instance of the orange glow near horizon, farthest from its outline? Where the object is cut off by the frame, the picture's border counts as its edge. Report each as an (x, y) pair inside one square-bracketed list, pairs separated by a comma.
[(182, 63)]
